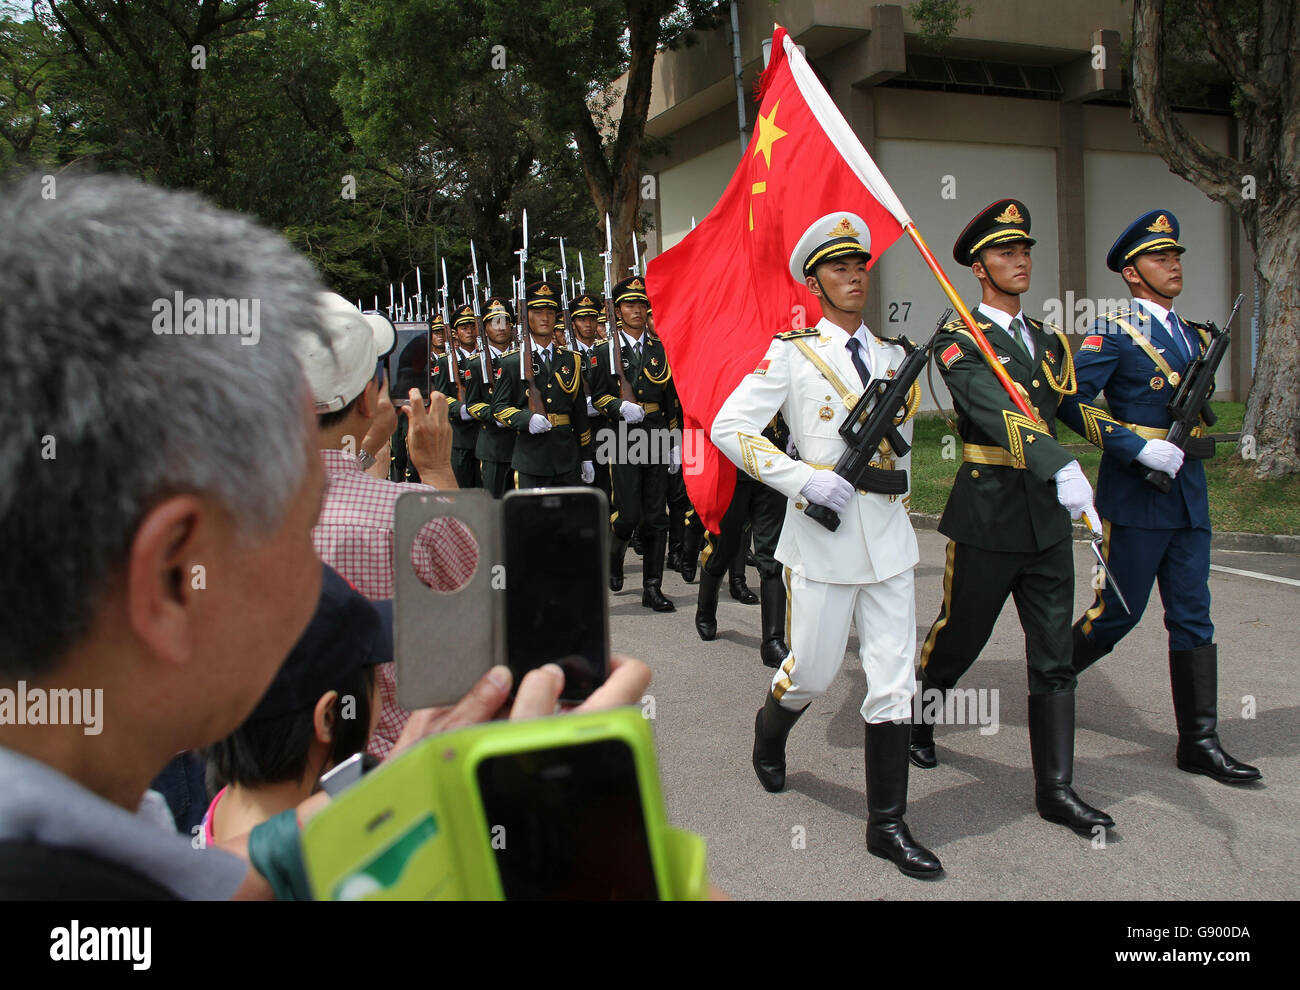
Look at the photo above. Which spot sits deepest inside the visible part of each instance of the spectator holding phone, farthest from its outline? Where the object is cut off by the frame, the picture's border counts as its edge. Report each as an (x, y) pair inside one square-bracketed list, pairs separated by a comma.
[(354, 534)]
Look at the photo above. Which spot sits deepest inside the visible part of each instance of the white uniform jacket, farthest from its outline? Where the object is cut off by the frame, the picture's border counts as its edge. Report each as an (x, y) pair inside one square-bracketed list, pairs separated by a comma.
[(875, 540)]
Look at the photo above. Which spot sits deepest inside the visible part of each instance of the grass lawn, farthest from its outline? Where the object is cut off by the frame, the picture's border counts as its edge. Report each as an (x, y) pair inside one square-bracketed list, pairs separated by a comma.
[(1238, 502)]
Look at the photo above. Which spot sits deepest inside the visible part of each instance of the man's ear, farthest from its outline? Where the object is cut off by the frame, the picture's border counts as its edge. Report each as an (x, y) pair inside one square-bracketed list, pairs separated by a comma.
[(1130, 274), (167, 569), (811, 282), (368, 401), (322, 719)]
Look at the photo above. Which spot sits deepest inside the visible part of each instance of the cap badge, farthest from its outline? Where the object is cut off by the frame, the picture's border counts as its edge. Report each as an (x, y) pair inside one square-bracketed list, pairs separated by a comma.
[(636, 284), (545, 290), (1010, 215), (842, 229), (1161, 226)]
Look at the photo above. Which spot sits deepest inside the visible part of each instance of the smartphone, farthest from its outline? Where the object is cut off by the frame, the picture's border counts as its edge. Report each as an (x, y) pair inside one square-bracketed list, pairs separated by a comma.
[(568, 823), (556, 563)]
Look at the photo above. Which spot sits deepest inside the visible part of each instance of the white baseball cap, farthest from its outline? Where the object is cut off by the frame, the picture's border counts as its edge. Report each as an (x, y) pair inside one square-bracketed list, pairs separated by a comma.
[(340, 362), (832, 236)]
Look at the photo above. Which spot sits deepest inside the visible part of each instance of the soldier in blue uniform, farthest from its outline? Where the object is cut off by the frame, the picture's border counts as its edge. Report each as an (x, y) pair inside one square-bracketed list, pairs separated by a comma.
[(1138, 355)]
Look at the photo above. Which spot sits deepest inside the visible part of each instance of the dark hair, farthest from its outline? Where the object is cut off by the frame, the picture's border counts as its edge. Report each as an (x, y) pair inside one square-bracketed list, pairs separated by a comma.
[(273, 750)]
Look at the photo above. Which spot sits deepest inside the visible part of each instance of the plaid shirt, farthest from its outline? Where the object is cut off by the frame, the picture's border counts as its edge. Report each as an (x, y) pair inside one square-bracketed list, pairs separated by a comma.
[(354, 535)]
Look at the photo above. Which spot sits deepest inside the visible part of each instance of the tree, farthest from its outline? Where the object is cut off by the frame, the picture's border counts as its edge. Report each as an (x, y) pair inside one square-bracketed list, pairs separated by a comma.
[(1257, 43), (558, 61)]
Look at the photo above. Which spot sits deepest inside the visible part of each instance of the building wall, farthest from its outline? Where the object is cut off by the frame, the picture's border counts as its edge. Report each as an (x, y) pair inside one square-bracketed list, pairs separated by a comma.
[(693, 188)]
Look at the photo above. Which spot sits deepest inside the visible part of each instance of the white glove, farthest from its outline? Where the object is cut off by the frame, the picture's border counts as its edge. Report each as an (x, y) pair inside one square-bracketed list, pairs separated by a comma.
[(464, 414), (538, 423), (674, 459), (827, 488), (588, 471), (1072, 489), (1161, 455), (591, 407), (631, 412)]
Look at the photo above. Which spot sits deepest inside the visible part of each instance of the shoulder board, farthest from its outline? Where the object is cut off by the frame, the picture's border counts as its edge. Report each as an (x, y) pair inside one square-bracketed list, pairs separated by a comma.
[(896, 341), (1197, 324), (510, 352), (1116, 314), (795, 334), (1046, 327), (954, 325)]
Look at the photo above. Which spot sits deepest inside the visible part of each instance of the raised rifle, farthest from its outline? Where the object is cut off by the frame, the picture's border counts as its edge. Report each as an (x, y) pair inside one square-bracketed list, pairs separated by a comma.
[(611, 323), (872, 424), (480, 332), (1190, 403), (453, 345), (535, 403), (564, 283)]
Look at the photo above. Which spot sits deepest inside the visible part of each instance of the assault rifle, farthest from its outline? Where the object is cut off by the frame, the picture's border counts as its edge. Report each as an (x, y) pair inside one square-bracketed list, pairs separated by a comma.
[(874, 422), (1189, 404)]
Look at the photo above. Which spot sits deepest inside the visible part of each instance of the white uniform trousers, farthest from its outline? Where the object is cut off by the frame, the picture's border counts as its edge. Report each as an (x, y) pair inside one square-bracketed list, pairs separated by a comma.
[(817, 629)]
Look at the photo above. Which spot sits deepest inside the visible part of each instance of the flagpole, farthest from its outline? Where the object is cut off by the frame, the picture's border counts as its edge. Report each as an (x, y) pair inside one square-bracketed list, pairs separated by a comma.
[(1014, 390)]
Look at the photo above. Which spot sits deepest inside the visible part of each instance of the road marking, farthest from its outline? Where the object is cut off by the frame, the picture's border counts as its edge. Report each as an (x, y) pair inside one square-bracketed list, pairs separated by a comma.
[(1255, 574)]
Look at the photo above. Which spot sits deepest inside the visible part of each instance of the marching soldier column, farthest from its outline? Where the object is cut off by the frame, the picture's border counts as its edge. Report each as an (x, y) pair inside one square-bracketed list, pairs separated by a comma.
[(496, 442), (464, 427)]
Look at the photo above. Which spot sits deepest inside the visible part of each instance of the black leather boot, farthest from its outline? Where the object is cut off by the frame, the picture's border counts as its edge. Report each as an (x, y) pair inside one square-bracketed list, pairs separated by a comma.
[(1051, 744), (1085, 653), (888, 837), (653, 573), (1194, 675), (706, 605), (638, 542), (617, 550), (921, 747), (691, 541), (771, 727), (675, 527), (772, 596), (739, 589)]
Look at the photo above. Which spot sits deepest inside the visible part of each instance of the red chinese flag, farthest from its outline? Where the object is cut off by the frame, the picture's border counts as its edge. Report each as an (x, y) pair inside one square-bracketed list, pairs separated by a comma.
[(723, 292)]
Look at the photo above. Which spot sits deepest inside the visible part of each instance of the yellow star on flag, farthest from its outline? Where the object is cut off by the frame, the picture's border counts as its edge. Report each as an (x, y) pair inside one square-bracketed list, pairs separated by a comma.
[(768, 134)]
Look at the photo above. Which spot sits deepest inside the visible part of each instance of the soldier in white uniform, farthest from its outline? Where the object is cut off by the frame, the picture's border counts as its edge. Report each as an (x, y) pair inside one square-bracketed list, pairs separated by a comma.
[(860, 573)]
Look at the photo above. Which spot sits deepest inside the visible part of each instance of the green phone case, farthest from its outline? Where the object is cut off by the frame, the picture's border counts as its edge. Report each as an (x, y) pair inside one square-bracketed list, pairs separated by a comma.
[(415, 828)]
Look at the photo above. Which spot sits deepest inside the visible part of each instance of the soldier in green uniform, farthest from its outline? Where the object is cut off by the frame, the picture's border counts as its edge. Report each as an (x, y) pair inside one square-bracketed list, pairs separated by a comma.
[(496, 442), (584, 319), (464, 427), (1008, 514), (754, 507), (552, 448), (645, 425)]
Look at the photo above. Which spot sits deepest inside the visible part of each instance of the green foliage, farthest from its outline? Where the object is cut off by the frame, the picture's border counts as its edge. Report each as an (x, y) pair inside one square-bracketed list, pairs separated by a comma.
[(938, 19)]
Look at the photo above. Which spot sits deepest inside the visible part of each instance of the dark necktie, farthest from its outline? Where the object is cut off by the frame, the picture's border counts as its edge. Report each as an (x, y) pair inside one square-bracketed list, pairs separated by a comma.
[(1015, 330), (855, 352), (1180, 341)]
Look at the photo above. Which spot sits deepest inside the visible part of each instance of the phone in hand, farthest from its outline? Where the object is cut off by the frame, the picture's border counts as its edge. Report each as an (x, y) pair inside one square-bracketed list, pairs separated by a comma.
[(556, 563)]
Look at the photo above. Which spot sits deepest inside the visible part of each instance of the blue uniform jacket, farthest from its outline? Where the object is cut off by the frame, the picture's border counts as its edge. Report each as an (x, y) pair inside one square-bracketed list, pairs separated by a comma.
[(1137, 392)]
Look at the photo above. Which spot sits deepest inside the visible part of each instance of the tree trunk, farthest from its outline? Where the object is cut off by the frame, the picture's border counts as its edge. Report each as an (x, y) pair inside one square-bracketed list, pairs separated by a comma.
[(1273, 407)]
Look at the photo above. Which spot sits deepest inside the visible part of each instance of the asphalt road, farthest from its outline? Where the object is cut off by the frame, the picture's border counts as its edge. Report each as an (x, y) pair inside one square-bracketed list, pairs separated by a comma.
[(1178, 836)]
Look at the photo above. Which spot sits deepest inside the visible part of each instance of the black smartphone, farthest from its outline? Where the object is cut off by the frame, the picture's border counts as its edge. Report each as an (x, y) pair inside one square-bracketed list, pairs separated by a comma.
[(572, 823), (557, 609)]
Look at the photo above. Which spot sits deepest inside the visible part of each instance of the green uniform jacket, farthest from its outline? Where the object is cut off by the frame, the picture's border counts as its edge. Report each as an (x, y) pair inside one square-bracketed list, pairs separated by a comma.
[(991, 506), (463, 434), (565, 445), (652, 384), (496, 442)]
